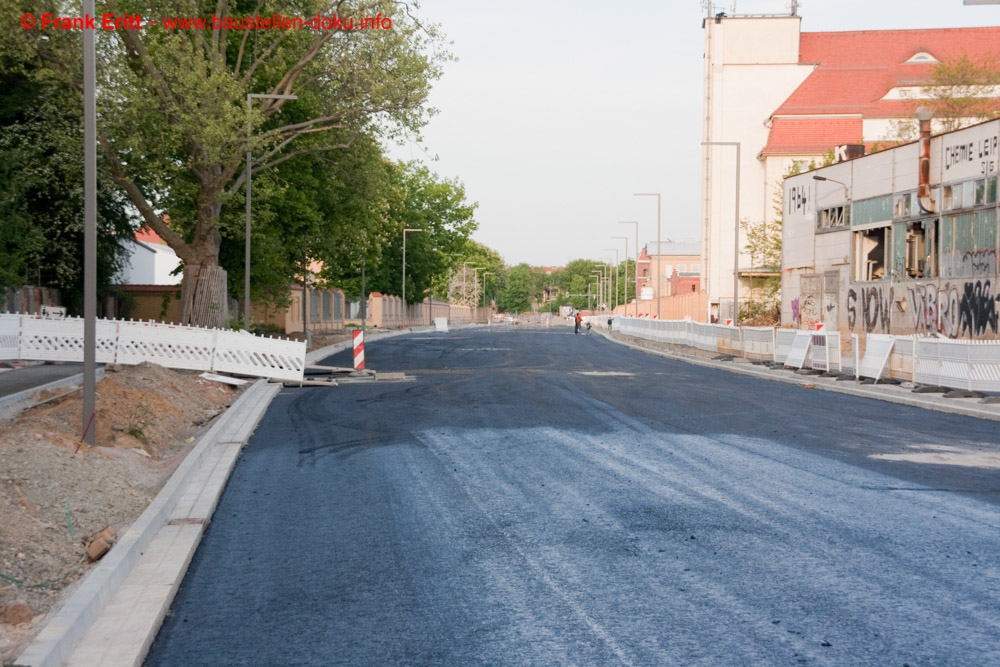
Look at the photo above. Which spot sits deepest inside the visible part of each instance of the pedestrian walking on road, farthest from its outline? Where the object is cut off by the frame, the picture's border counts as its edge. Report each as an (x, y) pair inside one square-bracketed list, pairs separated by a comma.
[(579, 321)]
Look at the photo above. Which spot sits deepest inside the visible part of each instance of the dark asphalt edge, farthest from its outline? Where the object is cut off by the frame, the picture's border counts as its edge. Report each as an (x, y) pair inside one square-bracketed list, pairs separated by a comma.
[(885, 392)]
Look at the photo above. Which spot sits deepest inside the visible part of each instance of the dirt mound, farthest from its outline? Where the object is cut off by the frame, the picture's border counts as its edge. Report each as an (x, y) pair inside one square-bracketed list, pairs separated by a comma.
[(56, 492)]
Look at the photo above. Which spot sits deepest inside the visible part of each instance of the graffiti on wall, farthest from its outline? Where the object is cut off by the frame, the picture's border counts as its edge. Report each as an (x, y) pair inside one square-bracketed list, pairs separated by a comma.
[(875, 304), (955, 310), (978, 309), (979, 263), (804, 311)]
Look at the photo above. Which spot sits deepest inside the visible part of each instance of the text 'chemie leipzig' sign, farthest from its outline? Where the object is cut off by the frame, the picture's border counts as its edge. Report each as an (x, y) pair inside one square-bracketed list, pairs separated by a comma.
[(974, 151)]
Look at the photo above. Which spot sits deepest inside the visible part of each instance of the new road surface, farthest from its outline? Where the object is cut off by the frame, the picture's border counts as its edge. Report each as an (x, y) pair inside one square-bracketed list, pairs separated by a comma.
[(533, 497)]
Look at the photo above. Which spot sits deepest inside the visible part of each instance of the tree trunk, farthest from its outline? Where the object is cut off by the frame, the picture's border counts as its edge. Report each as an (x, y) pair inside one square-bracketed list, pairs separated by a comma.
[(204, 298), (204, 301)]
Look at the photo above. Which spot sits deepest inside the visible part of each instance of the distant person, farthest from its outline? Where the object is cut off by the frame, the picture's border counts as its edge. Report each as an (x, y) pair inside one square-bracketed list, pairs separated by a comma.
[(611, 321), (579, 321)]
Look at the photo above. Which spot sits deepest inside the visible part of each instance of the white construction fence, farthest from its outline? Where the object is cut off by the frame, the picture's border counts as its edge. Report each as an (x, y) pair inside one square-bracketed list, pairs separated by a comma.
[(973, 365), (29, 337)]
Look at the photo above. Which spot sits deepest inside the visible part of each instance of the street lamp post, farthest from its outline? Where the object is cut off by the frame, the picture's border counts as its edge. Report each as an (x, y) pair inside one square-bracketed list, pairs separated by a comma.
[(659, 272), (607, 266), (475, 284), (634, 222), (736, 230), (617, 282), (625, 295), (405, 230), (248, 174), (486, 273), (89, 407)]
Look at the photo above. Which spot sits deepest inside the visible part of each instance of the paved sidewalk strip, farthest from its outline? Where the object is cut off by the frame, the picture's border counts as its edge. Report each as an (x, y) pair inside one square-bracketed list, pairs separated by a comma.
[(113, 616)]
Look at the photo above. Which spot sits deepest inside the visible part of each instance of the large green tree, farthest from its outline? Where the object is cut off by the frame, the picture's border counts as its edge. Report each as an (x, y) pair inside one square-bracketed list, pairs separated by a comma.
[(41, 168), (174, 122), (420, 199), (519, 290)]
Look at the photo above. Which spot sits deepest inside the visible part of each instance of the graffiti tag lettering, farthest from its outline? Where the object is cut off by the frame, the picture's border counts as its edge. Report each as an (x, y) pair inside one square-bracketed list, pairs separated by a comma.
[(978, 309)]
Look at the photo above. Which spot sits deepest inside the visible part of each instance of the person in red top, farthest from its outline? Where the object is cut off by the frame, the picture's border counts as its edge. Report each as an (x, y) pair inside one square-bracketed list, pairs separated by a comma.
[(579, 321)]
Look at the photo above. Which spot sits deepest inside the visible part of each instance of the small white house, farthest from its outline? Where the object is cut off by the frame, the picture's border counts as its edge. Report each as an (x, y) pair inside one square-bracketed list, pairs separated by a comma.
[(151, 262)]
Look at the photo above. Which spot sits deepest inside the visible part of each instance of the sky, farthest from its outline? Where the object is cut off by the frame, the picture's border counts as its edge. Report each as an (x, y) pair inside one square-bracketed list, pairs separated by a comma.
[(556, 112)]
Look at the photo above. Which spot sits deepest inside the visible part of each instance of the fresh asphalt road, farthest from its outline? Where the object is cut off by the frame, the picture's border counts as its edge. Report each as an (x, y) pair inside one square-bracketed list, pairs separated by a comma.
[(538, 498)]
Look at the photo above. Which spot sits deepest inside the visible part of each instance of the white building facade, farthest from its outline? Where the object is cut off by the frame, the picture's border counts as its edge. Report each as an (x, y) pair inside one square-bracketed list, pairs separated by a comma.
[(792, 99), (863, 253), (751, 67)]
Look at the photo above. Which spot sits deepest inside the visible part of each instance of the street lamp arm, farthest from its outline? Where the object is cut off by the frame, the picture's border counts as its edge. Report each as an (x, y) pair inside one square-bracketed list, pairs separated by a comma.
[(847, 192)]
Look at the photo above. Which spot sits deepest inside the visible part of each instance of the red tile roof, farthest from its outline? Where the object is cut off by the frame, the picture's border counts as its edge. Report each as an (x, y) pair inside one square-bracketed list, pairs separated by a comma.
[(808, 136), (854, 71)]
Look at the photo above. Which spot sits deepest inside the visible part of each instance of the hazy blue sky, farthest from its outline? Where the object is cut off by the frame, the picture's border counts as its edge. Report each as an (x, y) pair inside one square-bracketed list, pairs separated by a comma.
[(558, 110)]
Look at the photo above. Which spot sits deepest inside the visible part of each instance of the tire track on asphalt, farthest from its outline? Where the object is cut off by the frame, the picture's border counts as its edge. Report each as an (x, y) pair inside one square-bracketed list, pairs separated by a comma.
[(434, 445)]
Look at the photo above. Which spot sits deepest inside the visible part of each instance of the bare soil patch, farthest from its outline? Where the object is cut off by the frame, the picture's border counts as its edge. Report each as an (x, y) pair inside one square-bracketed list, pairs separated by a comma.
[(55, 493)]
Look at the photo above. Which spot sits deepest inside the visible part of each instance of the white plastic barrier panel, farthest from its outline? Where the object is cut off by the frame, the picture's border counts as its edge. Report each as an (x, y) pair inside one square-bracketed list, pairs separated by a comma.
[(878, 347), (728, 340), (243, 353), (10, 334), (441, 324), (758, 343), (170, 345), (972, 365), (984, 365), (783, 339), (799, 352), (62, 340)]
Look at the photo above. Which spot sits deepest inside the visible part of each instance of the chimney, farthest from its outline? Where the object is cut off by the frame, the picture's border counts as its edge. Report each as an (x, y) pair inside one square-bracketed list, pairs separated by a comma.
[(924, 115)]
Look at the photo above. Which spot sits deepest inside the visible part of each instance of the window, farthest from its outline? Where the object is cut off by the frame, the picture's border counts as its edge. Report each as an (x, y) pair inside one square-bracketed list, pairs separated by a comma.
[(915, 251), (903, 204), (833, 218), (980, 189), (991, 190), (876, 209), (952, 197), (870, 252), (968, 244), (968, 195)]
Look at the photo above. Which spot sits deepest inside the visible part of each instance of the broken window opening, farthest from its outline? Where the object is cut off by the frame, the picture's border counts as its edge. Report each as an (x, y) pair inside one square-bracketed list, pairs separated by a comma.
[(870, 250), (921, 249), (835, 217)]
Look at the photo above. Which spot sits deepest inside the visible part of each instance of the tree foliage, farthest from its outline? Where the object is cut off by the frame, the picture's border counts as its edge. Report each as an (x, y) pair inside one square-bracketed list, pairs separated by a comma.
[(41, 170), (174, 121), (963, 90), (960, 91), (420, 199)]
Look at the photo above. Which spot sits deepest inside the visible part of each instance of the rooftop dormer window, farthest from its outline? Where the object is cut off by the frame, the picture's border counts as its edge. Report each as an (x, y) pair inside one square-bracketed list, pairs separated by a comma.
[(921, 58)]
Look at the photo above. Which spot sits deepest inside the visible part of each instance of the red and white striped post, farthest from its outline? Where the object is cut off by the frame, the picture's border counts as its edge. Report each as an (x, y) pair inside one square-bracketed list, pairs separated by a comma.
[(359, 349)]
